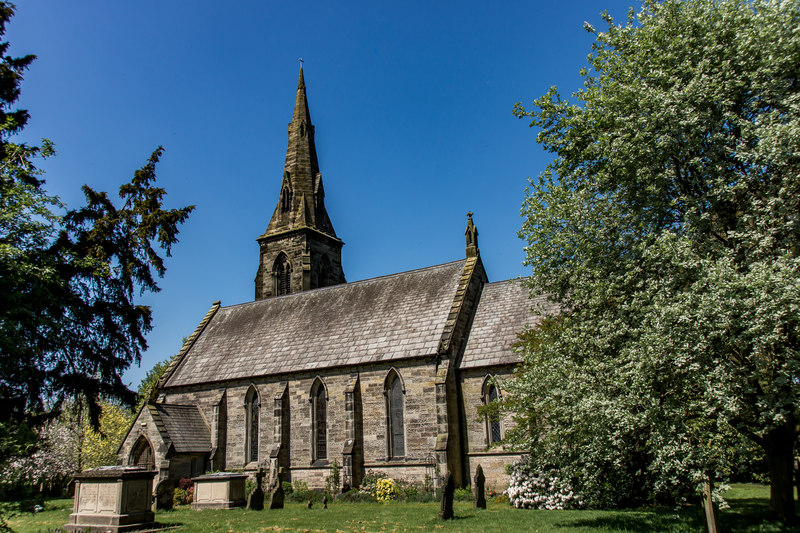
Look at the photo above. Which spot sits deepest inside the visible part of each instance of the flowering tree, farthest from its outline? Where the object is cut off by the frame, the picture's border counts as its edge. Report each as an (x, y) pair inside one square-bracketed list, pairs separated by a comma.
[(68, 445), (668, 227)]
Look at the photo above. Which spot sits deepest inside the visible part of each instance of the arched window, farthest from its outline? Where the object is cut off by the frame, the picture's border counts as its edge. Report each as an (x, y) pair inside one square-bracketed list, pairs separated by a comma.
[(282, 271), (394, 392), (142, 454), (492, 394), (319, 421), (252, 405)]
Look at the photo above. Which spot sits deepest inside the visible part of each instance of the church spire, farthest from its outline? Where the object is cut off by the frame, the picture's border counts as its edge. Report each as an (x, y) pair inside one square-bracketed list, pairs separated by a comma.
[(302, 198), (299, 250)]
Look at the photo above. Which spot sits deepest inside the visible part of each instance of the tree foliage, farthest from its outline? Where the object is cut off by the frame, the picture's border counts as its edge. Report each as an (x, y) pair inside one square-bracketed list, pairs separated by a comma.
[(67, 445), (668, 228), (149, 382), (69, 320)]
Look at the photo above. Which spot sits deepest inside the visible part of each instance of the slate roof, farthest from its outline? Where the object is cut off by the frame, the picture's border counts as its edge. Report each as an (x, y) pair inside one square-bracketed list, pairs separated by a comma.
[(381, 319), (183, 426), (504, 311)]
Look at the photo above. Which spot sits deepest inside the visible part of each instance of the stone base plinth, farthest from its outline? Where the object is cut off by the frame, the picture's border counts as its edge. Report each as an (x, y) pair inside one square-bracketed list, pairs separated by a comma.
[(114, 523), (221, 490)]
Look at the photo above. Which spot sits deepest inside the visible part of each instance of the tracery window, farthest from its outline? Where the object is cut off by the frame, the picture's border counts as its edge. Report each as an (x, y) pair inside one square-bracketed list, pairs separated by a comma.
[(492, 394), (282, 272), (394, 392), (319, 421), (252, 407)]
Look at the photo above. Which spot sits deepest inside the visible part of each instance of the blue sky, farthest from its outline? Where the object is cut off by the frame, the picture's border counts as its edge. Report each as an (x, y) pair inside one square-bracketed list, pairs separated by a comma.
[(411, 102)]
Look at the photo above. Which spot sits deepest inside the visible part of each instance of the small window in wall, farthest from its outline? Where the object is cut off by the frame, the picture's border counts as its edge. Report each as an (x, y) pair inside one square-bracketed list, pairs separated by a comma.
[(142, 454), (252, 406), (394, 415), (492, 394), (286, 200), (319, 417)]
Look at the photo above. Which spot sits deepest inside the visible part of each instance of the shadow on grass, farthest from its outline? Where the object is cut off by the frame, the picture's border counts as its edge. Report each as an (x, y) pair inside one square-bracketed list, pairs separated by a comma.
[(752, 514), (746, 515), (638, 521)]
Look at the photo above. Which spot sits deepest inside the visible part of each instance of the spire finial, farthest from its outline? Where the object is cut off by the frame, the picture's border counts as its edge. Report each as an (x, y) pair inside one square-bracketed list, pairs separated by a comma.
[(472, 237)]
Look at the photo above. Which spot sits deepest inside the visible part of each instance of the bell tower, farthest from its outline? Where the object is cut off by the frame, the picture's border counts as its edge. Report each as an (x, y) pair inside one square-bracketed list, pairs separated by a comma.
[(299, 250)]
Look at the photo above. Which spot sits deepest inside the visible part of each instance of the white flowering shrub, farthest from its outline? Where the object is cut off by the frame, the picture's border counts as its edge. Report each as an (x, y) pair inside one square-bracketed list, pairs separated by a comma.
[(540, 490)]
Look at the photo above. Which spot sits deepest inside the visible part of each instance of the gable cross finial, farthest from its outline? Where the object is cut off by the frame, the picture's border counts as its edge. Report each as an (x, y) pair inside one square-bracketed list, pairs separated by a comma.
[(472, 237)]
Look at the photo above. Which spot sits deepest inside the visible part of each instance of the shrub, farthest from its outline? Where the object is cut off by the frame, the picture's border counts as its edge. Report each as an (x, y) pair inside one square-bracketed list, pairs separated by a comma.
[(385, 490), (540, 490), (354, 496), (184, 492), (300, 492), (463, 494)]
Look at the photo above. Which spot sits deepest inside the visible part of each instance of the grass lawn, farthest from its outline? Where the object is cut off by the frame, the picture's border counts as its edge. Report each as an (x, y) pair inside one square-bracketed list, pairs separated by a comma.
[(748, 513)]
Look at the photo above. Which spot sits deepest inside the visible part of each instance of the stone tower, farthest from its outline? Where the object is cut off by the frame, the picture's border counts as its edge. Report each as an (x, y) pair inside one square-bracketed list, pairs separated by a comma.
[(299, 250)]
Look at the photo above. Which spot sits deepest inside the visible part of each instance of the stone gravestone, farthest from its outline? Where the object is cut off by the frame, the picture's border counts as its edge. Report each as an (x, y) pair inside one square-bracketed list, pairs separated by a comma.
[(479, 488), (165, 491), (447, 499), (113, 499), (276, 497), (255, 501)]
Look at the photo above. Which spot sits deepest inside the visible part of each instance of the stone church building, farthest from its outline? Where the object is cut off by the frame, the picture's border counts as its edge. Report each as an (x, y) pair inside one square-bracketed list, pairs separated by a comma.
[(384, 374)]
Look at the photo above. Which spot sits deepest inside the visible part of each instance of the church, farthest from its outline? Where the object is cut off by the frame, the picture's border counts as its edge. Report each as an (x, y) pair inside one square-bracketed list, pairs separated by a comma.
[(384, 374)]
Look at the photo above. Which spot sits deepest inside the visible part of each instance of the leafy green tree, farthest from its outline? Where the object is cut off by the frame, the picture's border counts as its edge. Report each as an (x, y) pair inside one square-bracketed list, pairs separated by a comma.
[(668, 228), (100, 445), (69, 321), (149, 382)]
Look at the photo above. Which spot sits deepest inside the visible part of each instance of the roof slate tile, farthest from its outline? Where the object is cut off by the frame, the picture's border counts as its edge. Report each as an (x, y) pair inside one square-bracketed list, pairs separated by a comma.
[(504, 311), (391, 317)]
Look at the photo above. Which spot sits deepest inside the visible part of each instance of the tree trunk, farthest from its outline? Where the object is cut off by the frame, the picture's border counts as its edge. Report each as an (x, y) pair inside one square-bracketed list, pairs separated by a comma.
[(709, 508), (778, 446)]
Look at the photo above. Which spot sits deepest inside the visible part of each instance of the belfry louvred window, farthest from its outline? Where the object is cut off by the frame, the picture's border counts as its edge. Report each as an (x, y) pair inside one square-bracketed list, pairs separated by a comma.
[(283, 274)]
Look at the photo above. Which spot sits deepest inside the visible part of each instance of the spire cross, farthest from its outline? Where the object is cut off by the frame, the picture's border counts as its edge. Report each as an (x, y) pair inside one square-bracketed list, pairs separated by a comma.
[(301, 62)]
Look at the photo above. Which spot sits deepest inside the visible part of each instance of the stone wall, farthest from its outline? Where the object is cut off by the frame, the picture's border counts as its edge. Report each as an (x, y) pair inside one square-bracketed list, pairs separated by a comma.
[(144, 425), (300, 247), (475, 426), (419, 419)]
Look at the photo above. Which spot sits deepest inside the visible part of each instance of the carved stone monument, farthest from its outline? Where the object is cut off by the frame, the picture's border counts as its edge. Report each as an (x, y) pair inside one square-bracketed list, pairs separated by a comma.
[(220, 490), (255, 501), (447, 498), (276, 497), (479, 488), (113, 498)]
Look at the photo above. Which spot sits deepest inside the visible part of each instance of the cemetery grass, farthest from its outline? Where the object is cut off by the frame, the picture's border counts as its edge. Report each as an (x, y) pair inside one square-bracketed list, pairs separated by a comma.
[(748, 513)]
